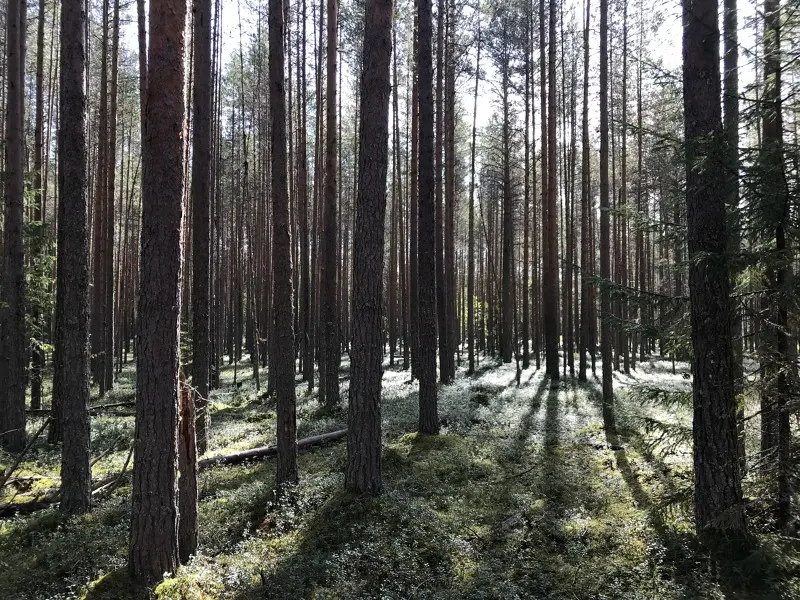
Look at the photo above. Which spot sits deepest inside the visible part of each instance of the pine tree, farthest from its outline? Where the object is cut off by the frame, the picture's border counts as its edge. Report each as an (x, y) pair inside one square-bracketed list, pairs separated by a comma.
[(428, 409), (718, 494), (364, 418), (283, 345), (13, 335), (153, 547), (71, 360)]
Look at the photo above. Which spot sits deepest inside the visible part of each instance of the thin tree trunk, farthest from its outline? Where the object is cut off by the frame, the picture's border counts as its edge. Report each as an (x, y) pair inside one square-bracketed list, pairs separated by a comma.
[(471, 232), (605, 259), (100, 222), (283, 345), (550, 290), (587, 265), (441, 281), (329, 370)]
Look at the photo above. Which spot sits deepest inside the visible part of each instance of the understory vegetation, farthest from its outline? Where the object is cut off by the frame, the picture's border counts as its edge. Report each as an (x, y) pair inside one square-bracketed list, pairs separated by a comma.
[(530, 492)]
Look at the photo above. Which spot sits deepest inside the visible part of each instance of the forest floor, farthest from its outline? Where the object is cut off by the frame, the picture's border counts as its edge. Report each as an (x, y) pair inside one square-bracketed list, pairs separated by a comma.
[(527, 493)]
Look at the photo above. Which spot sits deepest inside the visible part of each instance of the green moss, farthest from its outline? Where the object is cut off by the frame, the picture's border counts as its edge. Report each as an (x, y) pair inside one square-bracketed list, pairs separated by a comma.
[(192, 585), (116, 585), (521, 498)]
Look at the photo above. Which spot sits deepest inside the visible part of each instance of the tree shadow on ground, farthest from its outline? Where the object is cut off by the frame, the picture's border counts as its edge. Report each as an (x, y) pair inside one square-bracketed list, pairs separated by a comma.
[(740, 570)]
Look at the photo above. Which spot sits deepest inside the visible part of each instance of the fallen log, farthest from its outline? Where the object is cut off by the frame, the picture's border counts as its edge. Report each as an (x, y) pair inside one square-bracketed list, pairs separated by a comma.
[(92, 409), (104, 485), (269, 451)]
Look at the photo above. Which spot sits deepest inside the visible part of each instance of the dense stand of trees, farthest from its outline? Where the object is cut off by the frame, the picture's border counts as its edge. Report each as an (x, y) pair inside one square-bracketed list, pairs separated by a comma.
[(309, 222)]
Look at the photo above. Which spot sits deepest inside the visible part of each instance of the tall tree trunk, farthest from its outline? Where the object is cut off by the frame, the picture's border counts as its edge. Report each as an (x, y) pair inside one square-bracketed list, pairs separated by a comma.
[(153, 548), (37, 245), (306, 322), (13, 337), (623, 199), (551, 219), (110, 219), (450, 266), (471, 226), (364, 418), (413, 184), (283, 346), (587, 265), (329, 370), (776, 356), (507, 298), (718, 504), (100, 221), (545, 247), (730, 121), (201, 217), (426, 251), (605, 220), (441, 281), (527, 197), (71, 359)]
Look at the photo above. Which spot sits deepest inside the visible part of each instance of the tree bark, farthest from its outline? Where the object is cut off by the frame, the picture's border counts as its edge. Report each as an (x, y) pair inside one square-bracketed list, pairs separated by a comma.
[(363, 473), (587, 265), (718, 504), (776, 341), (13, 336), (329, 246), (71, 358), (187, 475), (37, 353), (550, 288), (441, 280), (471, 226), (153, 548), (605, 217), (283, 346), (201, 216), (426, 251), (100, 218)]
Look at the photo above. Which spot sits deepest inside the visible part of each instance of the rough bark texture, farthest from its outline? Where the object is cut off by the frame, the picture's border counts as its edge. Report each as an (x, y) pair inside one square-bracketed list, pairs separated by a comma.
[(283, 346), (414, 215), (153, 548), (507, 299), (441, 281), (187, 475), (201, 216), (550, 278), (99, 310), (587, 266), (428, 408), (37, 353), (108, 239), (329, 367), (71, 359), (718, 493), (605, 217), (471, 225), (776, 342), (13, 340), (364, 419)]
